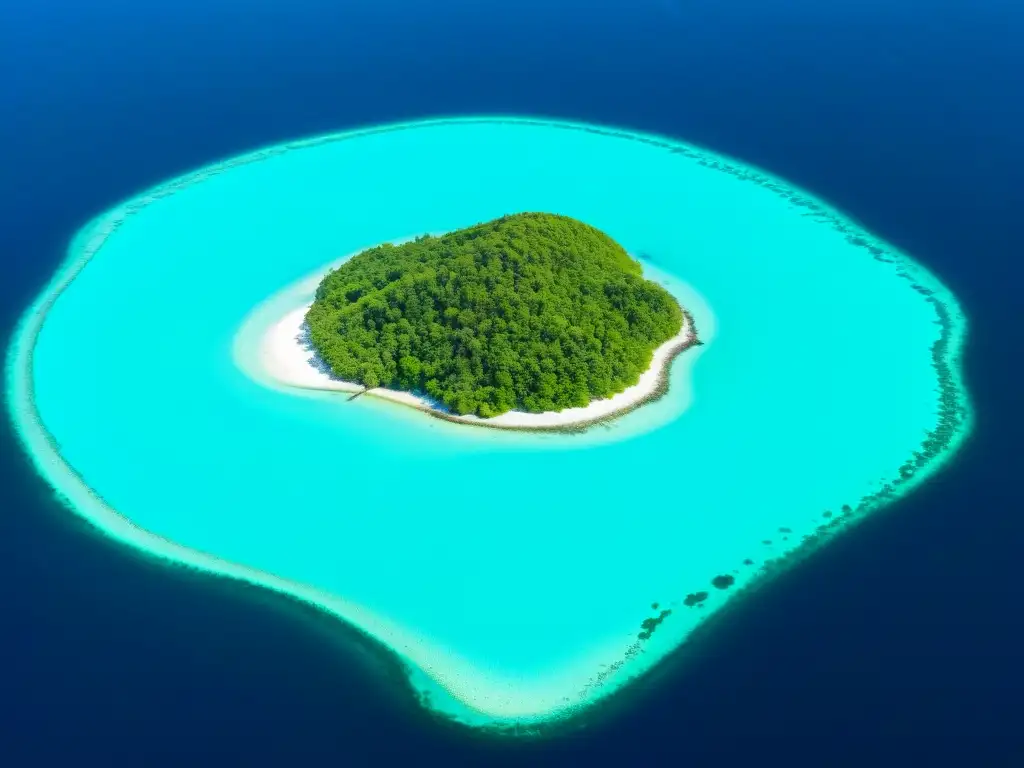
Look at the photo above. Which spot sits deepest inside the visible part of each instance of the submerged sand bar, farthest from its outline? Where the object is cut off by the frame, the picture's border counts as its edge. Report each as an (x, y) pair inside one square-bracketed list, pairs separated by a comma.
[(510, 590)]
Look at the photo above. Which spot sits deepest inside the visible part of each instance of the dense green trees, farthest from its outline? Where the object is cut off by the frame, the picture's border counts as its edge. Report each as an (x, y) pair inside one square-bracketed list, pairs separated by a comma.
[(534, 312)]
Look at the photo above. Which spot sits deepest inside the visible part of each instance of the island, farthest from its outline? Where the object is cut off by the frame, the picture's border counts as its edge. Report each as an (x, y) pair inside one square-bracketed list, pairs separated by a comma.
[(528, 322), (531, 312)]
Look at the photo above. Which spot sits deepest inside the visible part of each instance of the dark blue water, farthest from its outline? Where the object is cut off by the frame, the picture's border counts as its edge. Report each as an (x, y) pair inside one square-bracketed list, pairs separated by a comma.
[(900, 644)]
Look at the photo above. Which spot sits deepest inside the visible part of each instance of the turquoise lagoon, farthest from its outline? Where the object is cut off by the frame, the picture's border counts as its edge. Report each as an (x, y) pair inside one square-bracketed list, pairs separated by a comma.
[(519, 577)]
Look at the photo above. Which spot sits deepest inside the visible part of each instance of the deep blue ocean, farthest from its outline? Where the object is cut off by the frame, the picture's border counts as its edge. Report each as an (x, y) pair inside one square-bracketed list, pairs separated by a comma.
[(899, 644)]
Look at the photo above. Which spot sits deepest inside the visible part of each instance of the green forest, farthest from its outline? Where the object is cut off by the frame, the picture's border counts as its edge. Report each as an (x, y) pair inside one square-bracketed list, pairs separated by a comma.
[(532, 312)]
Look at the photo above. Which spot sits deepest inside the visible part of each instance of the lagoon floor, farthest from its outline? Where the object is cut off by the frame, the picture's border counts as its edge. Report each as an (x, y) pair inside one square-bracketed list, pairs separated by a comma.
[(521, 577)]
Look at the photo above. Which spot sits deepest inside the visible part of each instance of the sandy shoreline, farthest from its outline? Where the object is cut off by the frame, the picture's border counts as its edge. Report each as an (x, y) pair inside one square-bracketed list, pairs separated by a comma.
[(287, 357)]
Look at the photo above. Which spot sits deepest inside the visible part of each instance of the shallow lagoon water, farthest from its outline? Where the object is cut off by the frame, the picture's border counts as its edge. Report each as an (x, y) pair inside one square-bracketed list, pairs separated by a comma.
[(513, 572)]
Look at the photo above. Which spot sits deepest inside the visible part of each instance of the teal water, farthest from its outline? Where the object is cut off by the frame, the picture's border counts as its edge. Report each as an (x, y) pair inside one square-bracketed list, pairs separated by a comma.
[(513, 572)]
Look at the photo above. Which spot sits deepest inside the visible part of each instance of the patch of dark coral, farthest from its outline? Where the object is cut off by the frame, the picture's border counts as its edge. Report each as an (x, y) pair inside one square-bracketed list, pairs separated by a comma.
[(648, 626), (695, 598)]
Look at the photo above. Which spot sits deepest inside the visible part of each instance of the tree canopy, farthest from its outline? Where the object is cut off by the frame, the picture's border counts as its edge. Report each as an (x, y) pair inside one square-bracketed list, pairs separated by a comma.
[(533, 311)]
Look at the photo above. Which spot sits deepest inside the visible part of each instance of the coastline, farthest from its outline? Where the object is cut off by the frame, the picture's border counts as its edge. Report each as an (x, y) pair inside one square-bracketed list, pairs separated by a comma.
[(287, 357)]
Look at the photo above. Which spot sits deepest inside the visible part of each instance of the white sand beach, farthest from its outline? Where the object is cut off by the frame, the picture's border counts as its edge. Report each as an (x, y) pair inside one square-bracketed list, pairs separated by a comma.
[(287, 357)]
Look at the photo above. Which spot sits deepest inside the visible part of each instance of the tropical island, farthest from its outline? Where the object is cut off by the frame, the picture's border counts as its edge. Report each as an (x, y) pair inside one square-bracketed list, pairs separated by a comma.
[(532, 312), (804, 413)]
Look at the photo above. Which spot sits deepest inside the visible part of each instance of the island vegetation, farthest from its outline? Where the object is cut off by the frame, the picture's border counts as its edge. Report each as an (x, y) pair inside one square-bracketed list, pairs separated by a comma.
[(532, 312)]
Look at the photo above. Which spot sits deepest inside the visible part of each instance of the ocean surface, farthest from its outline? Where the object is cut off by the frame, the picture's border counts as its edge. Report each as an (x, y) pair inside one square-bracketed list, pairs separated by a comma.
[(897, 639)]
